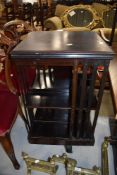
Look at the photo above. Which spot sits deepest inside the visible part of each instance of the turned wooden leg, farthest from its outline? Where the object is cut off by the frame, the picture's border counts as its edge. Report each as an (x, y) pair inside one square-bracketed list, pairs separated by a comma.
[(8, 147)]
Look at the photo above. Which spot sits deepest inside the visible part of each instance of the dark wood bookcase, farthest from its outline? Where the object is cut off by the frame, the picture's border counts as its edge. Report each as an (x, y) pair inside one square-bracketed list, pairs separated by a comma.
[(59, 97)]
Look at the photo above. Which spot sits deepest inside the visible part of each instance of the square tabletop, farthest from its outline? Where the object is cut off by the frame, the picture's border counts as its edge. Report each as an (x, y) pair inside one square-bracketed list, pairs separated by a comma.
[(62, 44)]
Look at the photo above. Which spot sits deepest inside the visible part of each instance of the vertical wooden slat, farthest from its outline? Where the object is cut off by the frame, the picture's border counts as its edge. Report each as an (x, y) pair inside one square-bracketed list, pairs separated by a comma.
[(23, 90), (82, 99), (73, 103), (39, 77), (101, 90), (44, 76), (50, 74), (31, 115), (92, 86), (90, 98)]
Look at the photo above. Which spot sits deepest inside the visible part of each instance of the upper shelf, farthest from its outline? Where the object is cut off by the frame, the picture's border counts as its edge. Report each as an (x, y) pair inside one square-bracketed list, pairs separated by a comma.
[(62, 44)]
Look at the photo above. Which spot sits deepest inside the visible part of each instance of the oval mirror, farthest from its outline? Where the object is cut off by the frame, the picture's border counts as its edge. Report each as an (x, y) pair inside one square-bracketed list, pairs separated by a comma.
[(80, 17)]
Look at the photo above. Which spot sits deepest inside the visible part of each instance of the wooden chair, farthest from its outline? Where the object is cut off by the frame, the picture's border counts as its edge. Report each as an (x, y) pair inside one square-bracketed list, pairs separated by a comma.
[(8, 100), (17, 29)]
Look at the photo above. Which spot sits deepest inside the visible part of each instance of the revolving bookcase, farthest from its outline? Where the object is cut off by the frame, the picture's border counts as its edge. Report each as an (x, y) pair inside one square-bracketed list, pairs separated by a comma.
[(59, 100)]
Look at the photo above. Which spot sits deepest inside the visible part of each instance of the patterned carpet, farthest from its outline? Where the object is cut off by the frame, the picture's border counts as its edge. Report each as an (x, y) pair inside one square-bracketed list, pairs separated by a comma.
[(86, 156)]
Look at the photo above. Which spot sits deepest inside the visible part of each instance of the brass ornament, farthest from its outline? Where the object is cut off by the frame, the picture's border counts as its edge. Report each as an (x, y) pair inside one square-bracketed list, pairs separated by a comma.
[(50, 166), (39, 165), (104, 156), (70, 164)]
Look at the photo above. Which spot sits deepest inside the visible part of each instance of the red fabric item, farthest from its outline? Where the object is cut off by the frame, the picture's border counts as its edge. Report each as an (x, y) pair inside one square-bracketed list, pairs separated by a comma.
[(8, 109), (9, 101), (100, 68)]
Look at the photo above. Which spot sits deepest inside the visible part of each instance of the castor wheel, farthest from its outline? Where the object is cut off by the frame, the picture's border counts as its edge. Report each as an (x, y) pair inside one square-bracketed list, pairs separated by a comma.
[(68, 148)]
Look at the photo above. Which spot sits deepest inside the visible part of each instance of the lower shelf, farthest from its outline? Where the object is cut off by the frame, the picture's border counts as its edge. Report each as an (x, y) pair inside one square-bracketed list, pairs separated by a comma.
[(58, 133), (60, 141), (50, 129)]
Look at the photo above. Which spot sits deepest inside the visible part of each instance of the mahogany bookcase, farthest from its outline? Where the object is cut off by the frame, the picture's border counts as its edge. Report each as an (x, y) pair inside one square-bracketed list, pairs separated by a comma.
[(59, 112)]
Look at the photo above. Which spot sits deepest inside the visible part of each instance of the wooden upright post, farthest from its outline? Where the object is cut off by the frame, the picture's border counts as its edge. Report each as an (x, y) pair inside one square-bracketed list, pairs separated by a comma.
[(113, 27)]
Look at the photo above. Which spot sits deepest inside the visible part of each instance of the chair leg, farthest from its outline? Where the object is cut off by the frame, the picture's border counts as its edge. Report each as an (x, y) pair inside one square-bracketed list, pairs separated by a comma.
[(8, 147)]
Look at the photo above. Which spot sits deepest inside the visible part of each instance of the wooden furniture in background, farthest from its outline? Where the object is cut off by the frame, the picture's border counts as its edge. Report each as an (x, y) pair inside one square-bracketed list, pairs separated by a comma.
[(34, 13), (83, 17), (9, 9), (17, 29), (60, 112)]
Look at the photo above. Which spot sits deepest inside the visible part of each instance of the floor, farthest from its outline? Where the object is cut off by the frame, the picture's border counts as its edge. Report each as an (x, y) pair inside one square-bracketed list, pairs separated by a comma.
[(86, 156)]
